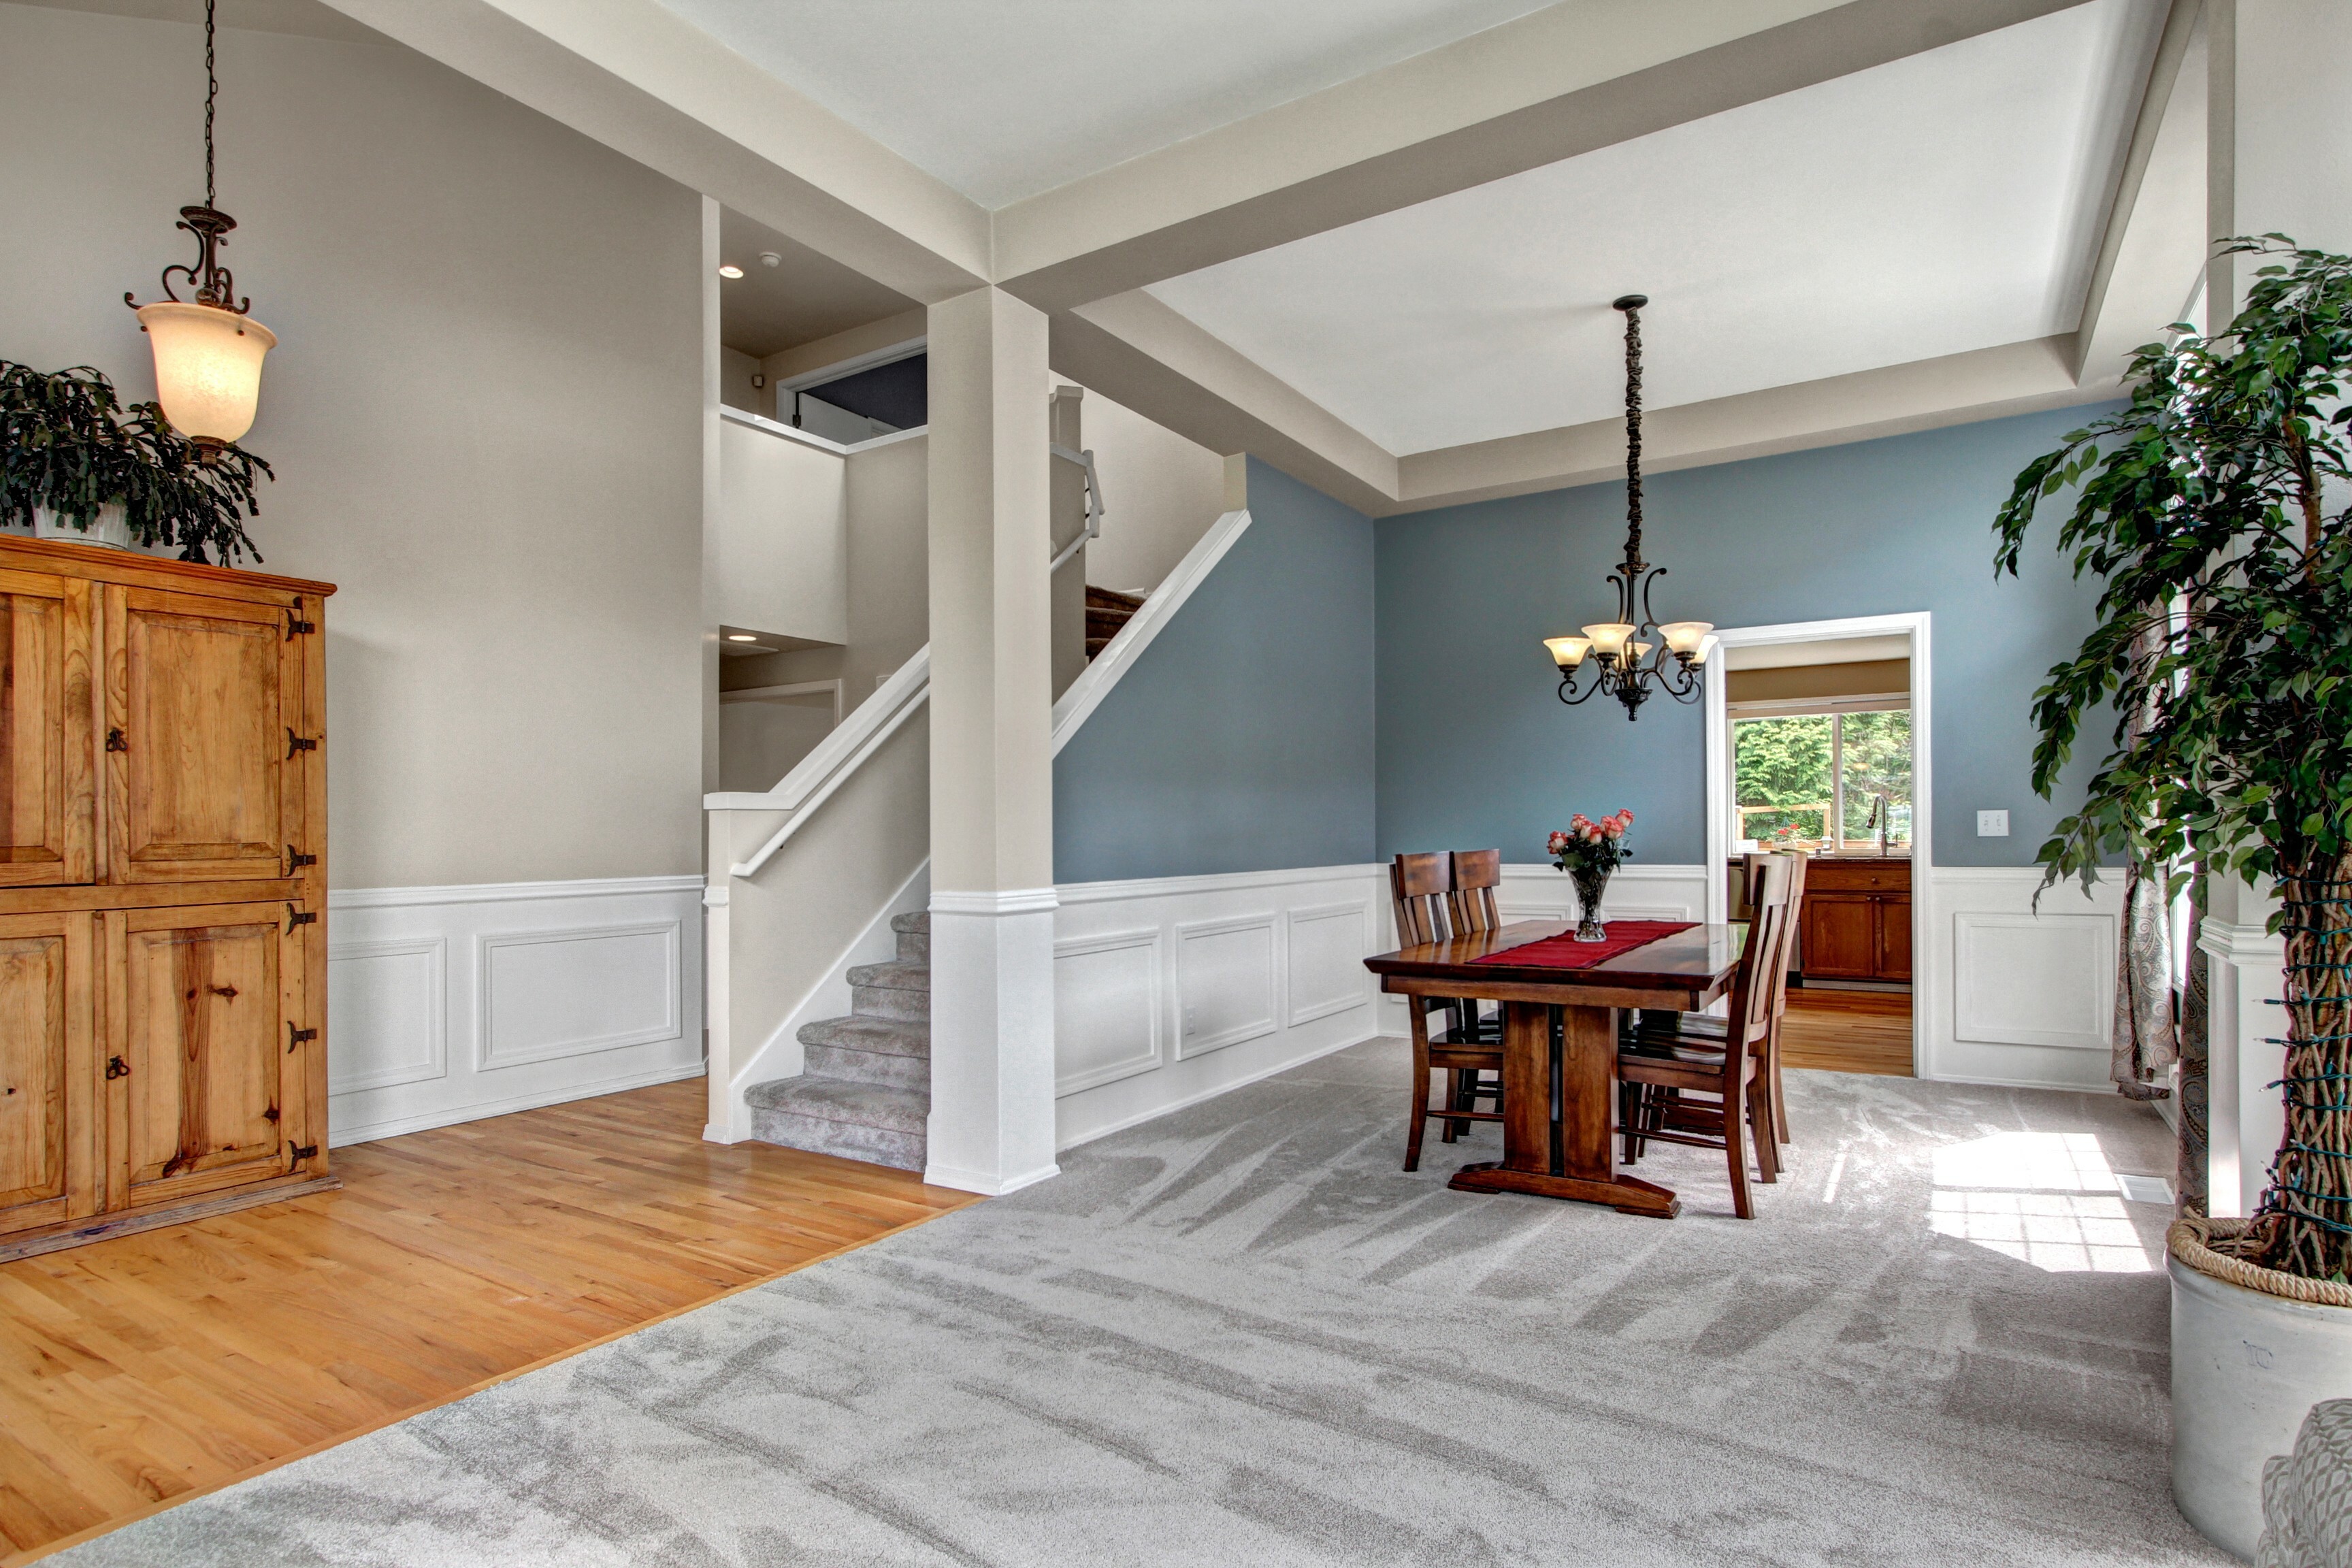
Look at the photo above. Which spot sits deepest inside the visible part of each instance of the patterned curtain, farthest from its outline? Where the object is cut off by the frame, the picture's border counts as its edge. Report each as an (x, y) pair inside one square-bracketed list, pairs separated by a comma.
[(2145, 1043)]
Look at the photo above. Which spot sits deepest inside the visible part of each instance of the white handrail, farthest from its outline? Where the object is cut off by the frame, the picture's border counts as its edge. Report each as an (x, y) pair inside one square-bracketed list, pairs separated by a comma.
[(841, 753)]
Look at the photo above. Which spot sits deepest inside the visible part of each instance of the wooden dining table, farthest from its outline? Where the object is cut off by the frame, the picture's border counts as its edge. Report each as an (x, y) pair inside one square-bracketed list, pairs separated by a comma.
[(1560, 1048)]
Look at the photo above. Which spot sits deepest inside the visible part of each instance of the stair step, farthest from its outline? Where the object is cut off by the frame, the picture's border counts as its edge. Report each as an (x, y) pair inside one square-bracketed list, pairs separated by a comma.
[(1106, 622), (882, 1037), (914, 947), (892, 976), (891, 990), (1095, 646), (1112, 599), (915, 921), (874, 1122)]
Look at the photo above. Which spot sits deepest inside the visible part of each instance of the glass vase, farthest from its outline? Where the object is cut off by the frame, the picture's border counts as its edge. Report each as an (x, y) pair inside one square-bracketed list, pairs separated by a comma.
[(1592, 881)]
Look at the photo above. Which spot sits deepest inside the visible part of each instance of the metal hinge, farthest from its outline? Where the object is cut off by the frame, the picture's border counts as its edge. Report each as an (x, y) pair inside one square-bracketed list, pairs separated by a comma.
[(295, 917), (296, 626), (295, 742), (294, 1037), (302, 1151), (117, 1068), (115, 743), (296, 859)]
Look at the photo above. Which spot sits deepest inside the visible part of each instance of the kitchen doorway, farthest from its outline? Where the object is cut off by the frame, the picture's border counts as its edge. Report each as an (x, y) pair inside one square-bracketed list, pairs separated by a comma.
[(1817, 744)]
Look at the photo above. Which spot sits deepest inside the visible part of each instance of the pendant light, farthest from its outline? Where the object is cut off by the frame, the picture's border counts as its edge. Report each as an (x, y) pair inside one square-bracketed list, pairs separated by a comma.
[(1634, 655), (208, 350)]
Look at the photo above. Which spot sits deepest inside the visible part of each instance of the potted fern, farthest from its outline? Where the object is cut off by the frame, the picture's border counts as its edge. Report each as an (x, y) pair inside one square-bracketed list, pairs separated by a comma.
[(77, 464), (2213, 509)]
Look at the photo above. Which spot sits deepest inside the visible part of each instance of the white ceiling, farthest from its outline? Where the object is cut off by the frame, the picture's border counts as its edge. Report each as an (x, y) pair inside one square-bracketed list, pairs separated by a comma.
[(1950, 201), (1004, 98)]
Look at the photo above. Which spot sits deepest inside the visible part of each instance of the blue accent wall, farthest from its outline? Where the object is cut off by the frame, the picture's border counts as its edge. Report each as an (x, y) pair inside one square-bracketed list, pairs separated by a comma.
[(1475, 750), (1242, 739)]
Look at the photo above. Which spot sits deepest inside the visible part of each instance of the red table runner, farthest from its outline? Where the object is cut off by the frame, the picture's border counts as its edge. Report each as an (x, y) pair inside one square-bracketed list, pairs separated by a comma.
[(1564, 952)]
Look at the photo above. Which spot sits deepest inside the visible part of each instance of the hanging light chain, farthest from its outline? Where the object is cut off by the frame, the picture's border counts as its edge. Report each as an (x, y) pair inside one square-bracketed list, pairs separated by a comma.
[(1633, 436), (212, 91)]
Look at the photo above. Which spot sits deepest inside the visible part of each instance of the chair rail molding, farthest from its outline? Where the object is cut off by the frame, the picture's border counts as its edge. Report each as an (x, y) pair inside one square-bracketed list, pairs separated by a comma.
[(448, 1005)]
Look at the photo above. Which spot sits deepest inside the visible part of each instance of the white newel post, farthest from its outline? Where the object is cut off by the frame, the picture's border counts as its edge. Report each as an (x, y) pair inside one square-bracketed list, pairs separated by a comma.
[(993, 902)]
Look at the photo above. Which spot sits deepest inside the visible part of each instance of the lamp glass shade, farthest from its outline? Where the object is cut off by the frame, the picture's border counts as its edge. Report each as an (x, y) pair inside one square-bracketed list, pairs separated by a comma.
[(1641, 650), (1568, 652), (1707, 646), (1683, 637), (207, 367), (1608, 638)]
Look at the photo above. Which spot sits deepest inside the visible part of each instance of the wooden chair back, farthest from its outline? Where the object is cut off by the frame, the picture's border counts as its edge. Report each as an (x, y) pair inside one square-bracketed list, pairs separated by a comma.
[(1476, 874), (1419, 884), (1756, 988)]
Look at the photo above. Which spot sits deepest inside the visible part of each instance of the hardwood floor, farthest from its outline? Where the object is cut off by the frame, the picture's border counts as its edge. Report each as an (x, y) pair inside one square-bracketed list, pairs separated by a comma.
[(1848, 1031), (137, 1370)]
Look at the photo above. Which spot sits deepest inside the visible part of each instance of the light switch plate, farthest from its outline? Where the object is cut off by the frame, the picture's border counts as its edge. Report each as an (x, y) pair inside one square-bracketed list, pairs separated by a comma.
[(1992, 824)]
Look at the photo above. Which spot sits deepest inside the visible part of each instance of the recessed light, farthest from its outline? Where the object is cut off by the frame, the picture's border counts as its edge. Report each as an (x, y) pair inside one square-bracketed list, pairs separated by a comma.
[(740, 637), (770, 258), (730, 270)]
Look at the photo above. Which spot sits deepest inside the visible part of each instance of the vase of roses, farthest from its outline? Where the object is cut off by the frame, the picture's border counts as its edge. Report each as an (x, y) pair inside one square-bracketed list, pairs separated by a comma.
[(1588, 852)]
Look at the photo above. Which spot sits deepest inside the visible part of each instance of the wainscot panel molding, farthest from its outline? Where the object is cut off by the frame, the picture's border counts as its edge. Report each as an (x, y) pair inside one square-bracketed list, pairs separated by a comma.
[(1171, 990), (2013, 995), (452, 1003)]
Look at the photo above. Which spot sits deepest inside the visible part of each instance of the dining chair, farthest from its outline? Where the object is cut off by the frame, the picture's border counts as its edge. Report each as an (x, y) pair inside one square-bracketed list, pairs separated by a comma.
[(1476, 874), (1665, 1027), (1420, 885), (1654, 1072)]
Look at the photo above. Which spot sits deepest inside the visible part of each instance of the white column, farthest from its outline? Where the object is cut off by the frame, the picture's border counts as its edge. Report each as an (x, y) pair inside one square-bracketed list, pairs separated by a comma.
[(992, 1123), (2244, 1020), (2279, 76)]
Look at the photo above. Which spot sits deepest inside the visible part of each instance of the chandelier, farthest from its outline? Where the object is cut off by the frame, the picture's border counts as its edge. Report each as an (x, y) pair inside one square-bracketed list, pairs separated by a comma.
[(208, 350), (1634, 655)]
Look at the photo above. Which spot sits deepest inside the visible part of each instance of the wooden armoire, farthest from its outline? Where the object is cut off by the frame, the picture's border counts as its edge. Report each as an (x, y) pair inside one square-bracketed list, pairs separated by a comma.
[(163, 891)]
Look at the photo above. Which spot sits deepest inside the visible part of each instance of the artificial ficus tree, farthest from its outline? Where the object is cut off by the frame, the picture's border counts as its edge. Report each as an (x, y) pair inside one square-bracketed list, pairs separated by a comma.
[(2214, 509)]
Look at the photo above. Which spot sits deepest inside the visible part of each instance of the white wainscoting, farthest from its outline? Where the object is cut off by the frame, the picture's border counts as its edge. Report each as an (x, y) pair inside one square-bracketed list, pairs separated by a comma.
[(1169, 991), (450, 1003), (2013, 995)]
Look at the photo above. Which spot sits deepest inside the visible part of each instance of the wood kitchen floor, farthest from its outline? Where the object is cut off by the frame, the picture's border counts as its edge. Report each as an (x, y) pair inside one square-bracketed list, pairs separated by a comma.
[(1847, 1031), (138, 1372)]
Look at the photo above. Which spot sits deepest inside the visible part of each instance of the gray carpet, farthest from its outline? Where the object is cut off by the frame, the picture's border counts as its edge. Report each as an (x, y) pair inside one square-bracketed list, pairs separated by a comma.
[(1241, 1335)]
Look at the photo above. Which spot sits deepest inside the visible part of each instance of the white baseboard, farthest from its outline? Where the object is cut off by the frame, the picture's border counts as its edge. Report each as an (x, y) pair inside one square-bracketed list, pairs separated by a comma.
[(449, 1003)]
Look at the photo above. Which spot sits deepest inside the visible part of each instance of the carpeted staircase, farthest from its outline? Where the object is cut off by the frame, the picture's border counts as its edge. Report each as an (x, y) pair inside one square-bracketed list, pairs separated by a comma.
[(1108, 609), (865, 1092)]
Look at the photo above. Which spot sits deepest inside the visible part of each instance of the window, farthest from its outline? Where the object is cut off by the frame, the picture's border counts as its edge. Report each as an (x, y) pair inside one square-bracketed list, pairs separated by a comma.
[(1823, 780)]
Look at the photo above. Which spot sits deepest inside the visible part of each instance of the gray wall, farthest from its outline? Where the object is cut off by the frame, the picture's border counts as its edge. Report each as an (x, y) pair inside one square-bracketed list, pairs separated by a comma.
[(1242, 739), (484, 412), (1475, 750)]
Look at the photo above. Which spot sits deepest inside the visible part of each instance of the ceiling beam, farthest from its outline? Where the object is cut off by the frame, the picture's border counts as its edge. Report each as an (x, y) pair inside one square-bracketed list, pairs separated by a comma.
[(2152, 249), (1893, 400), (1573, 78), (651, 86), (1141, 354)]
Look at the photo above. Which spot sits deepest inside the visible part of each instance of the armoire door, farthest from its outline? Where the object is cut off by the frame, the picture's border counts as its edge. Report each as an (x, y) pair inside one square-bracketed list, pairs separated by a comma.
[(204, 709), (204, 1059), (47, 791), (48, 1094)]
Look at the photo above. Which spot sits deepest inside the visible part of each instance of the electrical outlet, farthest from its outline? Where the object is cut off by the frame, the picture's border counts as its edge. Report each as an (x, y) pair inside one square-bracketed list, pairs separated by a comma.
[(1992, 824)]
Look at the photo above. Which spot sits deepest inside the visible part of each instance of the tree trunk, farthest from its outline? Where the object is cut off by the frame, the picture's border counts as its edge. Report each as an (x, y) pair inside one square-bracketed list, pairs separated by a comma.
[(2310, 1197)]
